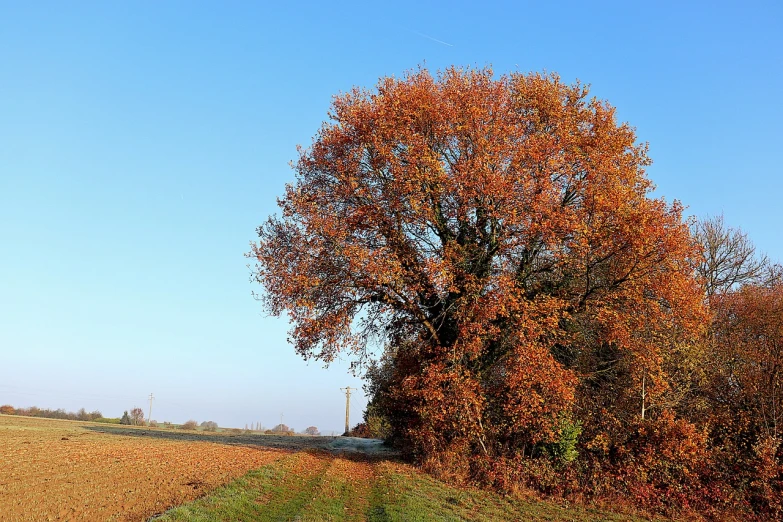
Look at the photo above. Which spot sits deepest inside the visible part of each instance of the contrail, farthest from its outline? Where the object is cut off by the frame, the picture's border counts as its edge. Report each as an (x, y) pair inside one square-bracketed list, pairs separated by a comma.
[(431, 38)]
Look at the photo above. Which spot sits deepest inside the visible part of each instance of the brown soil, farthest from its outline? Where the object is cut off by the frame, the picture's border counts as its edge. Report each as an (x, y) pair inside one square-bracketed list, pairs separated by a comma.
[(64, 470)]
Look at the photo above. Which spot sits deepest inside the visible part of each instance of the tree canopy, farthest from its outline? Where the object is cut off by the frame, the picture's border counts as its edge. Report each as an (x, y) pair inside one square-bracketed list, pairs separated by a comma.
[(430, 199)]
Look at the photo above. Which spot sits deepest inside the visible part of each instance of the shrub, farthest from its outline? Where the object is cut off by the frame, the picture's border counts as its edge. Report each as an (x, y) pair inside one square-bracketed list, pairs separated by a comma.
[(661, 464), (209, 426), (564, 448), (189, 425), (360, 430), (378, 425), (767, 487), (282, 428), (105, 420), (7, 409)]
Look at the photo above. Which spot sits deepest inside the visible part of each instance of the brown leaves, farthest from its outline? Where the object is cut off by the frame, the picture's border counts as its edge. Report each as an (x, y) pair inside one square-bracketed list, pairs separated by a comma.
[(748, 351), (498, 235), (432, 189)]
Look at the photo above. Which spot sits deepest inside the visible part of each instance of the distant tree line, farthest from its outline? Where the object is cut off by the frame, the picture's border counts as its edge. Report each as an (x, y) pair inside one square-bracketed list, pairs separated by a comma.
[(34, 411)]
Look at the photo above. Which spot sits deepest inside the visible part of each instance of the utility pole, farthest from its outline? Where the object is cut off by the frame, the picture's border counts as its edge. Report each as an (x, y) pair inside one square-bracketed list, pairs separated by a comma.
[(149, 413), (347, 407)]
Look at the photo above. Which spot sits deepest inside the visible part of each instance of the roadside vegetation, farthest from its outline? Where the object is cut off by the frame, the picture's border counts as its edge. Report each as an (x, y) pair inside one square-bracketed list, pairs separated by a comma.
[(66, 470), (312, 486)]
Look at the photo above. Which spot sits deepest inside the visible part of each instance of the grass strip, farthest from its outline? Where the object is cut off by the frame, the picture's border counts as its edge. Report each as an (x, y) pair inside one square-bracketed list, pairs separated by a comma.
[(343, 493), (309, 487), (279, 491), (402, 494)]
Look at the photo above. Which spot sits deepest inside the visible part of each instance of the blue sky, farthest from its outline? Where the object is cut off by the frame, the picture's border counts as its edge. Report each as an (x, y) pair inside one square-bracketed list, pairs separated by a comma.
[(141, 143)]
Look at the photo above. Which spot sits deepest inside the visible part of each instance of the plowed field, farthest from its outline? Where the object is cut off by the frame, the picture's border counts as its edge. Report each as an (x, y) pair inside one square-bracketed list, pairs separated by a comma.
[(62, 470)]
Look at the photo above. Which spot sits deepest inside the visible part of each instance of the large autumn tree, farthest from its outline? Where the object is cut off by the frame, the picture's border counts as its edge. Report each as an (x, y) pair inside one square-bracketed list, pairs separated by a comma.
[(497, 238)]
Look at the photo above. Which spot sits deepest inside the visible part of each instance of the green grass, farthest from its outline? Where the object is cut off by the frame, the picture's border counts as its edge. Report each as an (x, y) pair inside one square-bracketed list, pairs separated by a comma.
[(412, 496), (315, 486), (278, 491)]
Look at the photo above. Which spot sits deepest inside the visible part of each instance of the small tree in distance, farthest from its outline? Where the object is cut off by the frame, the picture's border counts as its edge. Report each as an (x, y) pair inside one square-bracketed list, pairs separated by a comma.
[(190, 425), (209, 426), (126, 420), (312, 430), (281, 428), (137, 415)]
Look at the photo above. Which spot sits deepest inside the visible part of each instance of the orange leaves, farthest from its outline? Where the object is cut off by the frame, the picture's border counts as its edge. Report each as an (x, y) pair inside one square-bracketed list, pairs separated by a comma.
[(748, 337), (537, 390), (499, 235)]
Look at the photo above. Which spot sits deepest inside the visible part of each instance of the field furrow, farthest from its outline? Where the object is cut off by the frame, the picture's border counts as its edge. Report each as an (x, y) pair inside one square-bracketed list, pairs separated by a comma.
[(57, 470)]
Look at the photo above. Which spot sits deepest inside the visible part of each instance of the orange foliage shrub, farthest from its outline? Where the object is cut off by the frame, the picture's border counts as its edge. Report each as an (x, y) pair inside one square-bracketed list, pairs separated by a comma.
[(744, 389), (360, 430)]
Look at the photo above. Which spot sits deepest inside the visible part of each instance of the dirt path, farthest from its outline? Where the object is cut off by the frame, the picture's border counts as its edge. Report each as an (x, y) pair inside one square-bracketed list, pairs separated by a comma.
[(372, 447)]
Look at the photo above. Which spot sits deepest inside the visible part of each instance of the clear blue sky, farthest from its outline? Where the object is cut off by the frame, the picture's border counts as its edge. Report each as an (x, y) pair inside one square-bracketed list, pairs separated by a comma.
[(141, 143)]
